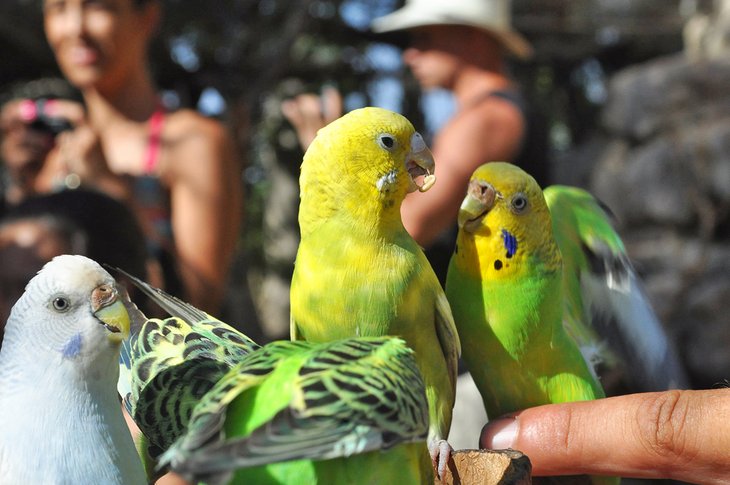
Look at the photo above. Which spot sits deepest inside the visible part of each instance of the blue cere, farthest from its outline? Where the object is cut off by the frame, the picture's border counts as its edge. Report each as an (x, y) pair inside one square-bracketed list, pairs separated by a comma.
[(510, 242), (72, 347)]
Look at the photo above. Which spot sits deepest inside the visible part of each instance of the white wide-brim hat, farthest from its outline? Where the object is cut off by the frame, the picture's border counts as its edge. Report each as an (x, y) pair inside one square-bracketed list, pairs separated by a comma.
[(492, 16)]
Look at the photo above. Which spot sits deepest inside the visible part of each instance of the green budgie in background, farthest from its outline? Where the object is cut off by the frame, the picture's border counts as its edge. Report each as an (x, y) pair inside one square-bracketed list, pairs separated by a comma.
[(534, 295), (505, 288)]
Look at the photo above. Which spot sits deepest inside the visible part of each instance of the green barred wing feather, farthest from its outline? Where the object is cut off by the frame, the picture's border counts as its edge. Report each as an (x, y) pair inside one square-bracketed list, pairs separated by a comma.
[(287, 412), (174, 364), (304, 401)]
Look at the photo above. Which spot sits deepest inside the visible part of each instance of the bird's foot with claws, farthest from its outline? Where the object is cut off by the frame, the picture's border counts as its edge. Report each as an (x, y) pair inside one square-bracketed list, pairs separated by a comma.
[(440, 451)]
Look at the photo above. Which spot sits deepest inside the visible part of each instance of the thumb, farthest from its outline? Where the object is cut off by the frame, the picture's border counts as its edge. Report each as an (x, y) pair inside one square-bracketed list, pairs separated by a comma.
[(683, 435)]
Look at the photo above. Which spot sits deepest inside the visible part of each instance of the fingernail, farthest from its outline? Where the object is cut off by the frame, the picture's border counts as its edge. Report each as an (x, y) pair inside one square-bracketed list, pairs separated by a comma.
[(500, 434), (27, 110)]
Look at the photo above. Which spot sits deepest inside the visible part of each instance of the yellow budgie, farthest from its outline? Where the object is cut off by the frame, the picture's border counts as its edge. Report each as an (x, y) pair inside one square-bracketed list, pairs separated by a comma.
[(358, 272)]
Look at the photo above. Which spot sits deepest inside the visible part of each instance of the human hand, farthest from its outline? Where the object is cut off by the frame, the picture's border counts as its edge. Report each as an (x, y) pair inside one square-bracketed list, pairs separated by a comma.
[(30, 127), (168, 478), (79, 150), (683, 435), (171, 479), (309, 112), (81, 157), (78, 157), (24, 145)]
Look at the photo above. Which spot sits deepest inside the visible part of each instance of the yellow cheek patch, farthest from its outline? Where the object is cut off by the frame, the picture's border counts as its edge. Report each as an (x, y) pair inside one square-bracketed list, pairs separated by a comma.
[(489, 257)]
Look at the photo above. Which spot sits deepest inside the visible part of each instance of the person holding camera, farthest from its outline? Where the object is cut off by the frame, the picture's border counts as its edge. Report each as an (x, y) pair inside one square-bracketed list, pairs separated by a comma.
[(29, 129), (178, 170)]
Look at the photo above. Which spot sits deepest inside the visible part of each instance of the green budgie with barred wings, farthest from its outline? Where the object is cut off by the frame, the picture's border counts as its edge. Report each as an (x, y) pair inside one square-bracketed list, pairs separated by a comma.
[(225, 410)]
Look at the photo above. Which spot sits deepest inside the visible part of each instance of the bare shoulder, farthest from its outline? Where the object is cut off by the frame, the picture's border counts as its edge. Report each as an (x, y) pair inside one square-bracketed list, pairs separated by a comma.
[(490, 130), (190, 138), (188, 126), (491, 114)]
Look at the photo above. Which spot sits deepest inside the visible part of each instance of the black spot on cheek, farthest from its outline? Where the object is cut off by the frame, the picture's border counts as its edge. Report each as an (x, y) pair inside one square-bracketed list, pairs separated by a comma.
[(497, 264), (509, 255)]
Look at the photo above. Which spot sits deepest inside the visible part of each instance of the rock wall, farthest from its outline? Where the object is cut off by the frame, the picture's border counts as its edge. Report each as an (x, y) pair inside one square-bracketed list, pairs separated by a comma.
[(664, 169)]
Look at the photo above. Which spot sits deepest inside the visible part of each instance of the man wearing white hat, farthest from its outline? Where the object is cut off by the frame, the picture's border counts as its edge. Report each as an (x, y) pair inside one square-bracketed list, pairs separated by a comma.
[(458, 45), (493, 16)]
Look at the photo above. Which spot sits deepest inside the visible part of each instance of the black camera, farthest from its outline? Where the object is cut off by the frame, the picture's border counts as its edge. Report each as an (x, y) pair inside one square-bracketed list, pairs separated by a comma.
[(45, 123)]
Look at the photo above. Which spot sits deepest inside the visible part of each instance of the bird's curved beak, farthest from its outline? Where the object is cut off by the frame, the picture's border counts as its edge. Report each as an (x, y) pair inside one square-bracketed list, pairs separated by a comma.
[(480, 197), (109, 308), (419, 161)]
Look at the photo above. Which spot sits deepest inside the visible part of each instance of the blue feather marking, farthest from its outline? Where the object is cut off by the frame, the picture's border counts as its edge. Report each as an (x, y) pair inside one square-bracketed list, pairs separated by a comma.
[(510, 242), (124, 383), (125, 353), (72, 347)]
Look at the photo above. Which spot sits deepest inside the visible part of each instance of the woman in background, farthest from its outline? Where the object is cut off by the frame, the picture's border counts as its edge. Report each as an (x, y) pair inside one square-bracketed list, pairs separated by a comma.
[(177, 170)]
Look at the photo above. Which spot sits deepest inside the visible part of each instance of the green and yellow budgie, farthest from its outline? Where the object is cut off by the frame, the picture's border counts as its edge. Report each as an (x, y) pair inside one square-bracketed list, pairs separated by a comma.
[(532, 280), (225, 410), (357, 271), (505, 288)]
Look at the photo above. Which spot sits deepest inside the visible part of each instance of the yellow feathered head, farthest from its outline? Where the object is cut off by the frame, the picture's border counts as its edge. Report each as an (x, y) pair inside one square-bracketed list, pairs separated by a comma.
[(505, 220), (363, 163)]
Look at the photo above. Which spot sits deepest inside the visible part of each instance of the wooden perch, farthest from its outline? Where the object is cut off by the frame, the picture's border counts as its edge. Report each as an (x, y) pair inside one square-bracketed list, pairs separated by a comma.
[(487, 467)]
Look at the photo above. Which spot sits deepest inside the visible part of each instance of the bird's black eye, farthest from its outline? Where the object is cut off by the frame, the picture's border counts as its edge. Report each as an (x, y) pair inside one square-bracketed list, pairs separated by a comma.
[(519, 203), (386, 141), (61, 304)]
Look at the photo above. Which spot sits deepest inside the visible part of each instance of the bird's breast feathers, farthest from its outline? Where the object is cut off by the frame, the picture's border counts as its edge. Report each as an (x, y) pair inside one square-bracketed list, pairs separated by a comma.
[(374, 282)]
